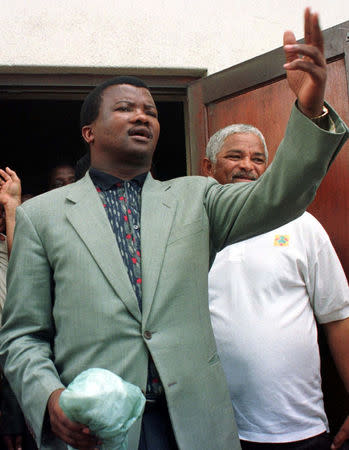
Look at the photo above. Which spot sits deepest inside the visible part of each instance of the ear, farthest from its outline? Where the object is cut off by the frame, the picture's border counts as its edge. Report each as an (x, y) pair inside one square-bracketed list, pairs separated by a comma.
[(207, 167), (87, 133)]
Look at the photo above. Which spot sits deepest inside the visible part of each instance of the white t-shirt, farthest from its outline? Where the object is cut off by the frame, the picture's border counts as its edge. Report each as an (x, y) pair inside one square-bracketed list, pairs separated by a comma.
[(262, 294)]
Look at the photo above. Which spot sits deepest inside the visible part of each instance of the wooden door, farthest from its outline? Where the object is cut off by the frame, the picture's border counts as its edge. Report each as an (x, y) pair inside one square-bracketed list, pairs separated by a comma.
[(256, 92)]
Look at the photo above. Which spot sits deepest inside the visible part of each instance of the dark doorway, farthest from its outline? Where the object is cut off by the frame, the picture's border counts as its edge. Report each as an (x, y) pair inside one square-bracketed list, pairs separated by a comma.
[(37, 135)]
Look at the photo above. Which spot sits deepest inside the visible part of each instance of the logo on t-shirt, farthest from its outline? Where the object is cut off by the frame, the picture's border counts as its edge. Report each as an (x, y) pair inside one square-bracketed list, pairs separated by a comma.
[(281, 240)]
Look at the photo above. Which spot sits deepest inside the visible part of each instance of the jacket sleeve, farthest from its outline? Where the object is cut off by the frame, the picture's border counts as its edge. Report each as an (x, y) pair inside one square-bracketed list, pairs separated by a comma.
[(26, 336)]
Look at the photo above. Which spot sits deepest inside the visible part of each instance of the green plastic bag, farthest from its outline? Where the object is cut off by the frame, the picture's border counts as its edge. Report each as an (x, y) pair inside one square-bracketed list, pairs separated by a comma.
[(105, 403)]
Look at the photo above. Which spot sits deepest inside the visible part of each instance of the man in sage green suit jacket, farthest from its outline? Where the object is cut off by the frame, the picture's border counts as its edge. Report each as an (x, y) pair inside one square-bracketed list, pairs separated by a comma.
[(71, 305)]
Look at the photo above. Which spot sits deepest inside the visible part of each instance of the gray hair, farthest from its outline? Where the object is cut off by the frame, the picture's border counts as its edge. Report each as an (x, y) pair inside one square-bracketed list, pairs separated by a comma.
[(216, 141)]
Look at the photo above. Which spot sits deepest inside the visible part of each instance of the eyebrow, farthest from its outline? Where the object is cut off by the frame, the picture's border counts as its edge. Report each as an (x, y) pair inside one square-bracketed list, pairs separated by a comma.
[(235, 150), (131, 103)]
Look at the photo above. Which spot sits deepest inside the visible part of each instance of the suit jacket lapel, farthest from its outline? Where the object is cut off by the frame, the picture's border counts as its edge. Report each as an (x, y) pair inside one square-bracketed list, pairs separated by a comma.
[(87, 216), (157, 213)]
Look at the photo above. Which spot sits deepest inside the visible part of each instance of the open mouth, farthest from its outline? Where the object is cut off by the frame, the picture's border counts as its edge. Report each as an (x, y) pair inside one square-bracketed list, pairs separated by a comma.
[(141, 133)]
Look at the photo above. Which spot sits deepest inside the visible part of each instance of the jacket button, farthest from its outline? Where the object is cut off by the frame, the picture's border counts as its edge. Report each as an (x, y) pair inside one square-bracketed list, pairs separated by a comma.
[(147, 335)]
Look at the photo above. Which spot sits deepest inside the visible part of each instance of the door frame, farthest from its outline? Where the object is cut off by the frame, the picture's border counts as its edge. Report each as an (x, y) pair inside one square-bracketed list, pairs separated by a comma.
[(54, 83)]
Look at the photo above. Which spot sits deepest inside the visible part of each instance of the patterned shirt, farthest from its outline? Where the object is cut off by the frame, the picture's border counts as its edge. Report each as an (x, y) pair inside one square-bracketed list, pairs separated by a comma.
[(122, 202)]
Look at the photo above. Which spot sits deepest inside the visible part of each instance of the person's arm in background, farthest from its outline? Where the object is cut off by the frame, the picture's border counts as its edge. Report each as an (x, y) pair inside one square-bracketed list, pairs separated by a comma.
[(12, 422), (328, 291), (10, 198), (338, 340)]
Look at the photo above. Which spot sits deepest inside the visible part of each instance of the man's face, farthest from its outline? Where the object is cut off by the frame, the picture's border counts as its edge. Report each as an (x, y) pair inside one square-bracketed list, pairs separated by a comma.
[(127, 127), (61, 176), (241, 158)]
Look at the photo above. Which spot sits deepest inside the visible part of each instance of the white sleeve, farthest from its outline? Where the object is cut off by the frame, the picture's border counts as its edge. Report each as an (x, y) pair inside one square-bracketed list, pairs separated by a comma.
[(327, 284)]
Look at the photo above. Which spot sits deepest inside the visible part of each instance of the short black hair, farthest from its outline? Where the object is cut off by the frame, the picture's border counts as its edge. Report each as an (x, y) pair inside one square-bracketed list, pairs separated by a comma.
[(90, 107), (59, 165), (83, 165)]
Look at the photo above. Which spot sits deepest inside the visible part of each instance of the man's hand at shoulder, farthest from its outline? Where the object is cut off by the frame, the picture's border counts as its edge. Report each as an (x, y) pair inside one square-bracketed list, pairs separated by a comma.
[(75, 434)]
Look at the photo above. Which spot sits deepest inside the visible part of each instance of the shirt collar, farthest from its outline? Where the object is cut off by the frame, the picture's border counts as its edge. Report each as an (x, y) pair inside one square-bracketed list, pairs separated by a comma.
[(106, 181)]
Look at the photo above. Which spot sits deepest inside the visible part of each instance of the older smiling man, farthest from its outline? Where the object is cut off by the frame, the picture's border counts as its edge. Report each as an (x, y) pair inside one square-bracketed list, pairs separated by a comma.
[(265, 295)]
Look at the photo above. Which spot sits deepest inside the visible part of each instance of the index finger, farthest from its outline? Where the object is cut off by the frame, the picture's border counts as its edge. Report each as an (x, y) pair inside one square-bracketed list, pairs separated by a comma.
[(70, 424), (4, 175), (74, 432), (317, 37), (307, 26), (12, 173), (289, 39)]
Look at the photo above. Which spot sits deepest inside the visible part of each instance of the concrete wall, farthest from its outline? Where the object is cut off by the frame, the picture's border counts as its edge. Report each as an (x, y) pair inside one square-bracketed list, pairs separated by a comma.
[(76, 35)]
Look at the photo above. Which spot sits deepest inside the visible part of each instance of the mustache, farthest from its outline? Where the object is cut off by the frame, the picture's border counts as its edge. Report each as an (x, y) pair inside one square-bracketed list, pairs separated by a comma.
[(248, 175)]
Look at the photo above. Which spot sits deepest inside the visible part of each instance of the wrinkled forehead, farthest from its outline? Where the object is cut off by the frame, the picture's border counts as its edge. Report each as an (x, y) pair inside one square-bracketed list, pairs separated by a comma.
[(63, 171), (245, 142), (127, 92)]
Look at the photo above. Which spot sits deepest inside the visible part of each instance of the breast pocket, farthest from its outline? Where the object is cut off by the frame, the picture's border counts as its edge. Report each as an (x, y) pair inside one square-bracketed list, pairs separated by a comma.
[(185, 231)]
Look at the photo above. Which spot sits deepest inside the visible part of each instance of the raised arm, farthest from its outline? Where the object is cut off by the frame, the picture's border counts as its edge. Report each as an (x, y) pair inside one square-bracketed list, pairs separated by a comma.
[(309, 146), (10, 198)]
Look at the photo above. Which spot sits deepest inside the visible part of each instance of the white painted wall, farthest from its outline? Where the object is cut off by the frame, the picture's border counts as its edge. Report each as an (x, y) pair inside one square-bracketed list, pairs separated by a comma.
[(214, 34)]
